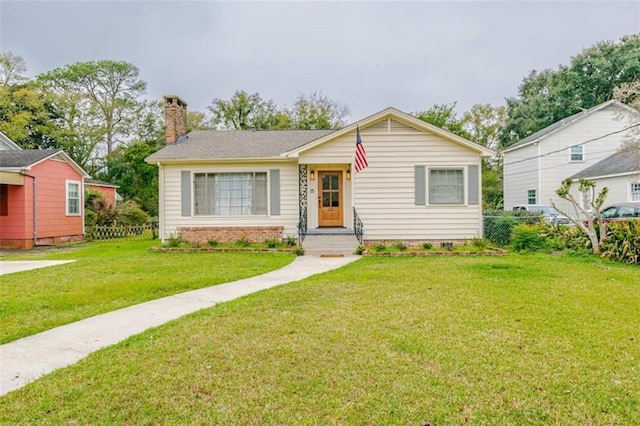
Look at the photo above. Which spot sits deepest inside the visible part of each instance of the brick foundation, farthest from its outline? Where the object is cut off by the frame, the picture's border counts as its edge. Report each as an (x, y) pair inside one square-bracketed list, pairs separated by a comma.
[(28, 244), (230, 234), (414, 243)]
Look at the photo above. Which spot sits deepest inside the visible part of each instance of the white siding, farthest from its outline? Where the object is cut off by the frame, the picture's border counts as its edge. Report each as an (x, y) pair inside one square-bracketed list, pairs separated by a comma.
[(619, 188), (554, 164), (384, 193), (170, 202)]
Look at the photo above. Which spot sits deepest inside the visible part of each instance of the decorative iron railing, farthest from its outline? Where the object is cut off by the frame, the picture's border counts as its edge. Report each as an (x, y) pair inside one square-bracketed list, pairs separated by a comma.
[(302, 186), (358, 227)]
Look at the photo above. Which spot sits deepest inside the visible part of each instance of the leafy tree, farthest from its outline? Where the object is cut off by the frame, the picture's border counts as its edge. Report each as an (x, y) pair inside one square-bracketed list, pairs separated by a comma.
[(629, 93), (548, 96), (110, 88), (247, 111), (444, 116), (197, 120), (137, 180), (26, 113), (317, 111), (13, 69), (483, 122)]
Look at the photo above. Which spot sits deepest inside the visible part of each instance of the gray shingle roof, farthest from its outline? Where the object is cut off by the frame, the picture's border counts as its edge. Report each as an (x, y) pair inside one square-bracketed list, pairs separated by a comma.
[(236, 144), (25, 157), (617, 163)]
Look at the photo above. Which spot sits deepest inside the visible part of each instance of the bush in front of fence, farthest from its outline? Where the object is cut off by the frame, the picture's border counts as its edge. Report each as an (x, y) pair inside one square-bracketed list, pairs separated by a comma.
[(498, 225)]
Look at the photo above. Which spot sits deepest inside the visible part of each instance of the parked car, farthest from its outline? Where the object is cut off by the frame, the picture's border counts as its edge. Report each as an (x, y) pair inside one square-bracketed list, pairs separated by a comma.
[(621, 211), (549, 213)]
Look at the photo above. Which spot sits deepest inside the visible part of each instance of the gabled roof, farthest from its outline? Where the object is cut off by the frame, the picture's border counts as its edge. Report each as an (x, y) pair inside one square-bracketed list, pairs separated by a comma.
[(24, 159), (616, 164), (236, 144), (559, 125), (7, 144), (400, 116), (99, 183)]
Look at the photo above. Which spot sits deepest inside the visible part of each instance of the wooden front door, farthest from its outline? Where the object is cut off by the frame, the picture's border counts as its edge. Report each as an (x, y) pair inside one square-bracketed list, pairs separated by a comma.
[(330, 209)]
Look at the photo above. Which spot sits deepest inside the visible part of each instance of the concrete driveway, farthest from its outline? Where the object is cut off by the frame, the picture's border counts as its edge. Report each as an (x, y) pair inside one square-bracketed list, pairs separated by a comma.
[(11, 266)]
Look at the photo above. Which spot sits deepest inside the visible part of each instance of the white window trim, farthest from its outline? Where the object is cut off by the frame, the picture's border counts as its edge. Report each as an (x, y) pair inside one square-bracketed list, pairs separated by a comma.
[(464, 185), (583, 154), (631, 191), (77, 182), (227, 216)]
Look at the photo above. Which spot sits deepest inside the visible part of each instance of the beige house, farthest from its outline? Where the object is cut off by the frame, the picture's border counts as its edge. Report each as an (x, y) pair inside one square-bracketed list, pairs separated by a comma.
[(584, 145), (423, 183)]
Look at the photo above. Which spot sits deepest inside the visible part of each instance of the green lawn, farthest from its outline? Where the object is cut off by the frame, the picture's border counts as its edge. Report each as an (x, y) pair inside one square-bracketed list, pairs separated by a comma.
[(480, 340), (112, 275)]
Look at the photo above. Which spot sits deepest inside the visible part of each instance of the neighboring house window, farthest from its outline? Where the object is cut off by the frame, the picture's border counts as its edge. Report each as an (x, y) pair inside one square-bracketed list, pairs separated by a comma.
[(73, 198), (532, 197), (4, 199), (577, 153), (230, 193), (634, 192), (446, 186)]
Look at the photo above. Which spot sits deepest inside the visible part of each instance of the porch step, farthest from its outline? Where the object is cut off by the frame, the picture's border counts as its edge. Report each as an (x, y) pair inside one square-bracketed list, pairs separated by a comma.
[(330, 244)]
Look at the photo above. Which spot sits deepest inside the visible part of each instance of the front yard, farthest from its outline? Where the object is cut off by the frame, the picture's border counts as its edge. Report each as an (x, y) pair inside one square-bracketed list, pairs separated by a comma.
[(530, 339), (109, 276)]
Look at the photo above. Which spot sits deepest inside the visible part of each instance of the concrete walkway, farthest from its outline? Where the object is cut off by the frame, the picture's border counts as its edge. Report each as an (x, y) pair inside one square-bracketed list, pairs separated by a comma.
[(27, 359), (11, 266)]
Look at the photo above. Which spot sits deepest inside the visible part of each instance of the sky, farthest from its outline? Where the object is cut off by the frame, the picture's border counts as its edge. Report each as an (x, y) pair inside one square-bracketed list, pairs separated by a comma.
[(368, 55)]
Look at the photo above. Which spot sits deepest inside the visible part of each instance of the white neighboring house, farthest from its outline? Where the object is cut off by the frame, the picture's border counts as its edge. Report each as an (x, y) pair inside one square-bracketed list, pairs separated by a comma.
[(580, 146), (423, 183)]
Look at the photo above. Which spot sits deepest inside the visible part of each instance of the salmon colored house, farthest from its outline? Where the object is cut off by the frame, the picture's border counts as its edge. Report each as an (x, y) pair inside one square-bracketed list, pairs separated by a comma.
[(41, 197), (108, 190)]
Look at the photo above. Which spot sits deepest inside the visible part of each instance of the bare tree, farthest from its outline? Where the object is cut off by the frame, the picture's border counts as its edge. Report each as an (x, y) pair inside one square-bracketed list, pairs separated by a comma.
[(582, 217)]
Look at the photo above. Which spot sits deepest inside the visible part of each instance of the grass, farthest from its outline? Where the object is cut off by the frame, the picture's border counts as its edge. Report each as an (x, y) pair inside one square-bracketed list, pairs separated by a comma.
[(522, 339), (112, 275)]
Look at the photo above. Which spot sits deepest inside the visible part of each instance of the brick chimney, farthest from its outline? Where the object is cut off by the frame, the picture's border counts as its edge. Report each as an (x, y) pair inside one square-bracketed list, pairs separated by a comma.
[(175, 118)]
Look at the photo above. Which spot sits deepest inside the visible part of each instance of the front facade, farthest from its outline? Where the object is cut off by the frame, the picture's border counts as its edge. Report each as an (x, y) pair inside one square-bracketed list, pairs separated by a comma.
[(41, 198), (535, 167), (422, 183)]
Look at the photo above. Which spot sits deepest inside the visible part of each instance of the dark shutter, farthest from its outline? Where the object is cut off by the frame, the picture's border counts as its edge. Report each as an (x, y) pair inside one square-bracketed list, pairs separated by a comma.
[(473, 184), (274, 184), (420, 185), (186, 192)]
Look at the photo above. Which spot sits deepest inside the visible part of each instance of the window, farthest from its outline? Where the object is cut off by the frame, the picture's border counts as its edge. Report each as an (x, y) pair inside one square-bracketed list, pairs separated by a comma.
[(230, 194), (634, 192), (446, 186), (4, 199), (532, 197), (577, 153), (73, 198)]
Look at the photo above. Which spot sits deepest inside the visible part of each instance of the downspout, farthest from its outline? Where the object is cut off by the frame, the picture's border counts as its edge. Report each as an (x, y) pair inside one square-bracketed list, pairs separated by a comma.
[(539, 190), (35, 209)]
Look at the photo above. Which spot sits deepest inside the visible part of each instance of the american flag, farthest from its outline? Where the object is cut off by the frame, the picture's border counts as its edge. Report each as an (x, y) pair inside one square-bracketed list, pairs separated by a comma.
[(361, 155)]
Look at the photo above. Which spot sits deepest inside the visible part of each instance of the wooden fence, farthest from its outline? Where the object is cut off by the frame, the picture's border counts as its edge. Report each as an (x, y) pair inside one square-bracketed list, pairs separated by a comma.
[(147, 231)]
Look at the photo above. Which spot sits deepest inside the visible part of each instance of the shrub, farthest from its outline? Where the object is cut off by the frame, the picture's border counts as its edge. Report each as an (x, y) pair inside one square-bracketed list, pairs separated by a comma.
[(480, 243), (90, 218), (212, 242), (130, 213), (498, 226), (427, 246), (379, 247), (95, 202), (299, 251), (271, 243), (360, 249), (400, 245), (623, 242), (174, 240), (528, 238), (291, 240), (243, 242)]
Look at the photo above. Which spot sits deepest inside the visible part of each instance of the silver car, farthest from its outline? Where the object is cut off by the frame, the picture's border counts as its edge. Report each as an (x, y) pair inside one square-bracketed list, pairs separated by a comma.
[(549, 213)]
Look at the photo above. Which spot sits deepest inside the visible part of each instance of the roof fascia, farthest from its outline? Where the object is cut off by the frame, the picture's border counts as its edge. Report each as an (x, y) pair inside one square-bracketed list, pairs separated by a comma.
[(11, 144), (221, 160)]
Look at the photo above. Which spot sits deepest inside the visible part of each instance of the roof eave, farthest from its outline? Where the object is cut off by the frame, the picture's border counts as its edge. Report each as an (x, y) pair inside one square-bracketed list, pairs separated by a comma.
[(216, 160), (399, 116)]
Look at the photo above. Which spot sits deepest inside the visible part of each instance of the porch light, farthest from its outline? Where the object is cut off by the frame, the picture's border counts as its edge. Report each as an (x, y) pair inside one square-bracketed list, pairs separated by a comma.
[(348, 174), (312, 175)]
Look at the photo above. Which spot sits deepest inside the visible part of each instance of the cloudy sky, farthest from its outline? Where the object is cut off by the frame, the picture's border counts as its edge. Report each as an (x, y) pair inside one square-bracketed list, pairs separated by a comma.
[(365, 54)]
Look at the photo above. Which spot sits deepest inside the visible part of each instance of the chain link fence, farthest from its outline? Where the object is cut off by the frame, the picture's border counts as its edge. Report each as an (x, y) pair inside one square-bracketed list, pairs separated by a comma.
[(147, 231), (498, 225)]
